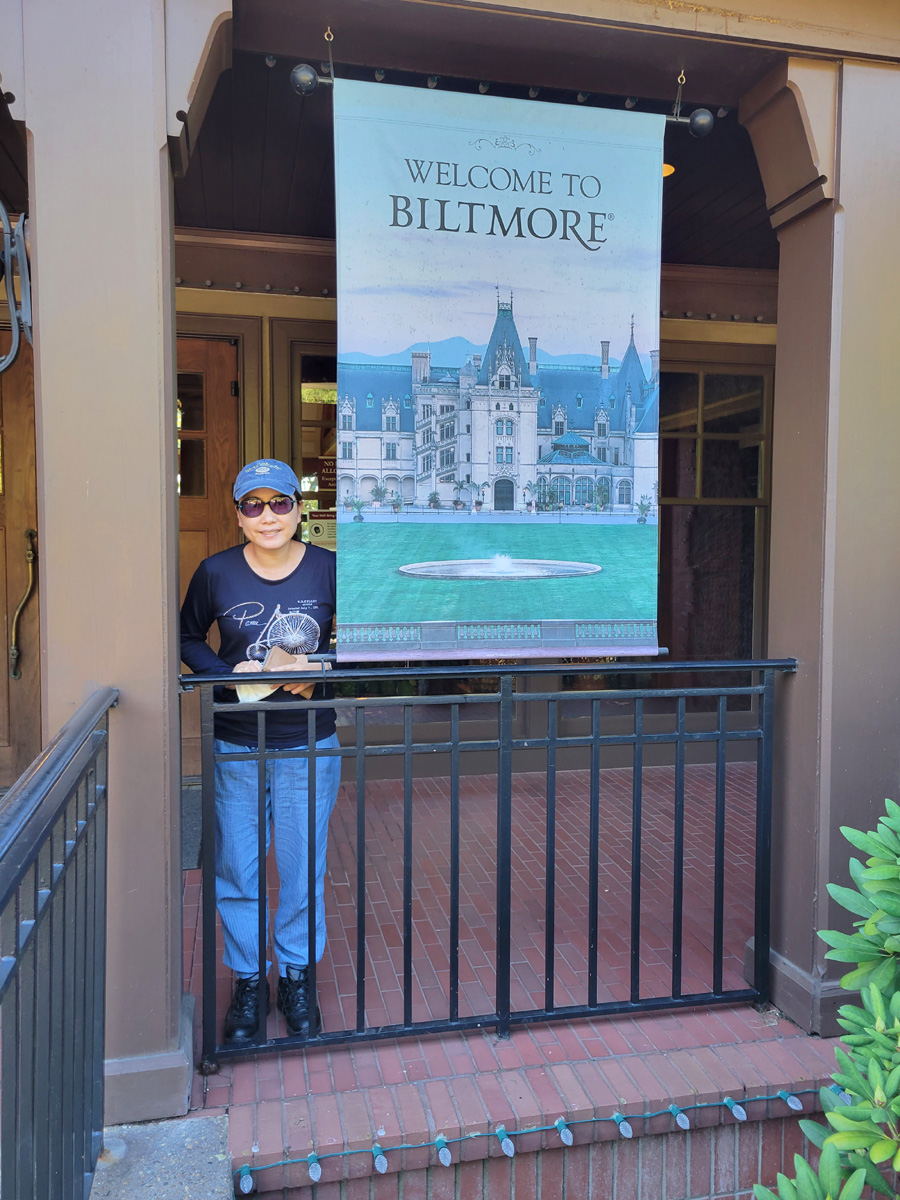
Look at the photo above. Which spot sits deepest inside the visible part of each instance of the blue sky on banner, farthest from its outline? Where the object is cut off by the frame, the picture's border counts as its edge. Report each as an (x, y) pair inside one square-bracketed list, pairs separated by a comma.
[(428, 182)]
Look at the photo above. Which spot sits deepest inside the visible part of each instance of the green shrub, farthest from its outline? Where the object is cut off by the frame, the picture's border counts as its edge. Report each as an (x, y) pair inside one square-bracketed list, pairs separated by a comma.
[(862, 1133)]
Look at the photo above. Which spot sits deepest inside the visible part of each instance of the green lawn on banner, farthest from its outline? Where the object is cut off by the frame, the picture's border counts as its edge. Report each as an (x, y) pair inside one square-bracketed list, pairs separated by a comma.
[(370, 588)]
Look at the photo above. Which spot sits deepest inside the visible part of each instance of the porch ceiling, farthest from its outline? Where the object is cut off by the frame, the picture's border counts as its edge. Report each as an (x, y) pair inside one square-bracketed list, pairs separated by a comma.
[(264, 162)]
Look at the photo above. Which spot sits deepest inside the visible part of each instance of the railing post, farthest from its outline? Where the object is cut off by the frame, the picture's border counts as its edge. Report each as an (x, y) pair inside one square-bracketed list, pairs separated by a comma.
[(208, 1064), (504, 855), (761, 932)]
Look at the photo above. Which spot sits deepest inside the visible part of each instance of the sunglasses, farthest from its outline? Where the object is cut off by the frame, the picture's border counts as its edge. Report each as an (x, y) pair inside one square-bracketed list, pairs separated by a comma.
[(253, 507)]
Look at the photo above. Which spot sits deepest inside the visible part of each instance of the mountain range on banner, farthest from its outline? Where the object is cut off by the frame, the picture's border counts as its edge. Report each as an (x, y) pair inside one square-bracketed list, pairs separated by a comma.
[(454, 351)]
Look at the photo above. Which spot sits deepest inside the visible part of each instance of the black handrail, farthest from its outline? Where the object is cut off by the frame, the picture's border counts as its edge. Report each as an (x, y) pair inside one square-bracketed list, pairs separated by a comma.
[(53, 962), (712, 719)]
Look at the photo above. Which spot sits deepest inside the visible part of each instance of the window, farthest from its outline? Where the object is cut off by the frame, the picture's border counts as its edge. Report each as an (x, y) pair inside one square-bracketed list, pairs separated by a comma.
[(468, 429), (714, 523), (407, 402), (509, 454), (540, 451), (559, 428), (602, 454), (448, 431), (346, 421), (602, 429), (468, 459), (615, 458), (390, 424), (503, 382), (498, 426), (579, 403), (499, 454), (427, 436), (390, 450), (445, 408), (624, 492), (346, 449), (427, 412), (448, 458), (370, 400), (584, 491), (509, 428), (427, 462)]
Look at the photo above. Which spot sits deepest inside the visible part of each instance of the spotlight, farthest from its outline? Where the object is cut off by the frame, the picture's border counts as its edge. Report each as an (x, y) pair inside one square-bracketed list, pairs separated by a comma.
[(483, 87), (379, 75), (433, 81), (631, 102), (533, 93), (701, 122), (304, 79), (582, 96)]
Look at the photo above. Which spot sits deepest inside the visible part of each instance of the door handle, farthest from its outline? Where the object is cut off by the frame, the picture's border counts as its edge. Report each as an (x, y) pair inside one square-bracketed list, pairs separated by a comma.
[(15, 671)]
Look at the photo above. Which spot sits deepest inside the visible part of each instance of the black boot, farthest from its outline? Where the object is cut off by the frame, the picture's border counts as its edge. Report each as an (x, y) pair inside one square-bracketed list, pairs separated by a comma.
[(293, 1000), (242, 1018)]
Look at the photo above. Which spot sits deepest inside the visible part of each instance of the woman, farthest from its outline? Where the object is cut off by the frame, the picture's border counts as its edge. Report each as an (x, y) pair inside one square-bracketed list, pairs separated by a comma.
[(272, 591)]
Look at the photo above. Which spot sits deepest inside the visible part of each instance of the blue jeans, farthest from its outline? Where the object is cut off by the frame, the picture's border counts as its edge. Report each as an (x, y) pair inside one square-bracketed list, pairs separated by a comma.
[(237, 866)]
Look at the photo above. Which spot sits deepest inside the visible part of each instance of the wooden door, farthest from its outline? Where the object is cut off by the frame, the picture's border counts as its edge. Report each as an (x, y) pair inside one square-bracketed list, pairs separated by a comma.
[(20, 694), (208, 461)]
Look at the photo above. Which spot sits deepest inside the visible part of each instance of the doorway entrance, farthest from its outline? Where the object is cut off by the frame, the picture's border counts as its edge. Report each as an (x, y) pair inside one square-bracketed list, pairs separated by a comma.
[(208, 460), (20, 688), (504, 495)]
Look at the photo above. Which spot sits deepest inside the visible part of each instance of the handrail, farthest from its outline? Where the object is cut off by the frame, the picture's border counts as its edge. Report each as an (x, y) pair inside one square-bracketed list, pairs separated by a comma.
[(658, 666), (32, 787)]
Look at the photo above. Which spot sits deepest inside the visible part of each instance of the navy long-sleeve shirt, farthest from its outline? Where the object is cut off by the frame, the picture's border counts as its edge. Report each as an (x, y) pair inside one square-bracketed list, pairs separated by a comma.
[(253, 614)]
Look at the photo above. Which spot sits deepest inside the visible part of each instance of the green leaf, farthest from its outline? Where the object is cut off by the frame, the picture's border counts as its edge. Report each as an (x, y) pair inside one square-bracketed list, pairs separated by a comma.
[(874, 1178), (888, 836), (852, 900), (808, 1184), (849, 954), (830, 1170), (763, 1193), (814, 1131), (786, 1189), (886, 900), (853, 1141), (866, 842), (852, 1189), (849, 941), (853, 980), (883, 1150), (874, 874), (884, 974), (856, 871), (892, 809)]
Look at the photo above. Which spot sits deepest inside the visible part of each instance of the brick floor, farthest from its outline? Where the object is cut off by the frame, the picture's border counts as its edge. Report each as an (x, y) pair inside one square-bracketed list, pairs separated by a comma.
[(462, 1084)]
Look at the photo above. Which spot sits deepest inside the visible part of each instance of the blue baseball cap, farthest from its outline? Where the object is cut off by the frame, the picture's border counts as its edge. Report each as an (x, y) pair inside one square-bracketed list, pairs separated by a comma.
[(266, 473)]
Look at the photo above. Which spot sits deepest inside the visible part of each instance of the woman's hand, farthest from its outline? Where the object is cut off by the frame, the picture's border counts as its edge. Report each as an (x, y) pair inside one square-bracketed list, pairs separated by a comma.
[(296, 688), (243, 668)]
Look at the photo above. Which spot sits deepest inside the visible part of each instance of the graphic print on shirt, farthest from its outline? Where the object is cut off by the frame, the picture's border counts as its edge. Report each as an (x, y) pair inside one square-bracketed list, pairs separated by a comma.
[(294, 631)]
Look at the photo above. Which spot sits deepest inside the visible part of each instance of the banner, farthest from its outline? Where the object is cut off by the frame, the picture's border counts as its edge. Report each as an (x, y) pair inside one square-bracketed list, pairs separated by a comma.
[(498, 390)]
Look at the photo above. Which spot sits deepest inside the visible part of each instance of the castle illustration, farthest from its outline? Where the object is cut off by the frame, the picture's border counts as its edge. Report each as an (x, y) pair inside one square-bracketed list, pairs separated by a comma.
[(501, 430)]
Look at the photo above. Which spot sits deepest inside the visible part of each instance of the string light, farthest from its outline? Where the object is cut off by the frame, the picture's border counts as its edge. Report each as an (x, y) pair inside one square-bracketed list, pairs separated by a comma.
[(625, 1129), (737, 1110), (681, 1118), (840, 1093), (506, 1144), (565, 1133), (244, 1175)]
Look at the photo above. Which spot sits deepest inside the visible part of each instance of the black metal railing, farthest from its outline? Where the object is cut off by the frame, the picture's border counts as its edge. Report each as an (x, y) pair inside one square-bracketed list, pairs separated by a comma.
[(52, 968), (516, 844)]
